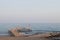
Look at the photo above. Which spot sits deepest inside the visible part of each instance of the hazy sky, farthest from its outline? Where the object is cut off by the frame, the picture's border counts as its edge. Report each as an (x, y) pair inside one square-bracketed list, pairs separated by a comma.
[(21, 11)]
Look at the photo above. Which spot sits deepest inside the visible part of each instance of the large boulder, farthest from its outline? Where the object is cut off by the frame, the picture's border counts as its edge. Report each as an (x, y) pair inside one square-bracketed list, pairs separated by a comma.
[(18, 31)]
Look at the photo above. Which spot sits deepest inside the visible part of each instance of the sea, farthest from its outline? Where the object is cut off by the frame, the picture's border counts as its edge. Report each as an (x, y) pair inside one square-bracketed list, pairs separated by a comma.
[(36, 27)]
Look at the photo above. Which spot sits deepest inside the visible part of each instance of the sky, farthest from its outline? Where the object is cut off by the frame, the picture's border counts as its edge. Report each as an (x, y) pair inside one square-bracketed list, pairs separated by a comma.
[(29, 11)]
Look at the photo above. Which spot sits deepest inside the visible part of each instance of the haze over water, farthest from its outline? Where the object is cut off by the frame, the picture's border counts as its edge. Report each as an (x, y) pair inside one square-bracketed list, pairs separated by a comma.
[(38, 27)]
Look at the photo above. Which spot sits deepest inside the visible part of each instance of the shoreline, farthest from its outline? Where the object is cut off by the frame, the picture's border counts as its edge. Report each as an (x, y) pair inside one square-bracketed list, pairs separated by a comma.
[(23, 38), (27, 38)]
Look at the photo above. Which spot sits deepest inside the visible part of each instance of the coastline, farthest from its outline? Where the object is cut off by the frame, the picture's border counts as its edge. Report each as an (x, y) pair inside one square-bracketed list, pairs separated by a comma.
[(23, 38)]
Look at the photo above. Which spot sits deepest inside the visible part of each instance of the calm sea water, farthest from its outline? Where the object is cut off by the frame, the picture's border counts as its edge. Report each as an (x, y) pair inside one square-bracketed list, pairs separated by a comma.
[(37, 27)]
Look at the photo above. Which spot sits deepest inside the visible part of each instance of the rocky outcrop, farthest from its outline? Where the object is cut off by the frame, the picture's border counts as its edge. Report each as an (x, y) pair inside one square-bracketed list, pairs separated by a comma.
[(18, 31)]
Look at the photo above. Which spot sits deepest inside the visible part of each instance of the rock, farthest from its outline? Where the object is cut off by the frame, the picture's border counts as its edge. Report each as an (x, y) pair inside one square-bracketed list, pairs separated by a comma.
[(18, 31)]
